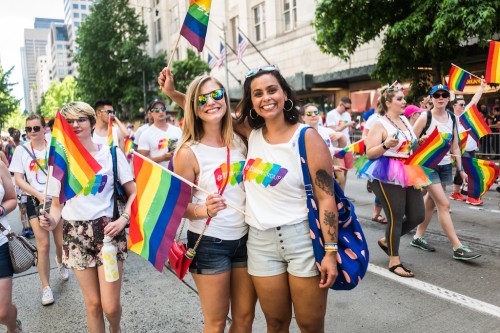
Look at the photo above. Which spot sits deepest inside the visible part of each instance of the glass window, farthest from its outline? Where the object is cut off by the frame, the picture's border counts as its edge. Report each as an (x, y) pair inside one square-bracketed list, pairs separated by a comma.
[(290, 14), (84, 16), (76, 15), (175, 18), (83, 7), (157, 31), (234, 31), (75, 6), (259, 22)]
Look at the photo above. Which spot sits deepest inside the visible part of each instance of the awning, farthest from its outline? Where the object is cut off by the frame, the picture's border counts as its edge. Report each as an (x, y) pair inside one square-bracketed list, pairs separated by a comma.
[(360, 101)]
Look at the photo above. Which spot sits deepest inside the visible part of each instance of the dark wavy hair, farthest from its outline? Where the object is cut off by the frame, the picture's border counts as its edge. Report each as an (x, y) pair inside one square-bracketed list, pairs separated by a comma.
[(245, 105)]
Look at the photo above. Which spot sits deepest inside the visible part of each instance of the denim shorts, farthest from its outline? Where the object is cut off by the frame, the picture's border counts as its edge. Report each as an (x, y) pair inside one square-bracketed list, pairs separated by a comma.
[(32, 204), (6, 270), (442, 174), (282, 249), (215, 255)]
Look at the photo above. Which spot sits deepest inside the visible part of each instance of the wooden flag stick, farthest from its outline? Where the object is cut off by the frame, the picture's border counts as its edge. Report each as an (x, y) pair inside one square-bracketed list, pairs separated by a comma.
[(173, 51), (496, 164), (46, 186), (466, 71)]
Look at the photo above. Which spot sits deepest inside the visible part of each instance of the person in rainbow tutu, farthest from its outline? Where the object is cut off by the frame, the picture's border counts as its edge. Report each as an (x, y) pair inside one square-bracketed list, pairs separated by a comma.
[(389, 143)]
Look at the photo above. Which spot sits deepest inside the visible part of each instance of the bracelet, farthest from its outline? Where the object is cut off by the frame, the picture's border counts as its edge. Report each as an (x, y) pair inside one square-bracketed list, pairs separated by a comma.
[(3, 210), (125, 216), (384, 146), (208, 213), (195, 208), (331, 247)]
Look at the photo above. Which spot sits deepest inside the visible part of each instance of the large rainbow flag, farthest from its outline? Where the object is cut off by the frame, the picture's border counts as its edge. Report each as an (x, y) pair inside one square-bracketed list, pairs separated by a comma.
[(71, 163), (157, 210), (457, 78), (493, 63), (481, 175), (356, 147), (432, 151), (195, 24), (472, 119)]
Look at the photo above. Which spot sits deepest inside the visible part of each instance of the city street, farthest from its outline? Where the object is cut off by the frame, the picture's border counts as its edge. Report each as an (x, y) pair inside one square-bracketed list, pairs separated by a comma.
[(445, 296)]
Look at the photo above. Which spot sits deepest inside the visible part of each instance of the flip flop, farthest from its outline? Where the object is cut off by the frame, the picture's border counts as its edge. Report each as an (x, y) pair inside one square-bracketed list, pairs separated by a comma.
[(379, 219), (383, 247), (393, 270)]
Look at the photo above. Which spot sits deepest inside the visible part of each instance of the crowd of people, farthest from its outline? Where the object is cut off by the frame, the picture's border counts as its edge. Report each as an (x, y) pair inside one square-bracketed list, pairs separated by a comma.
[(241, 258)]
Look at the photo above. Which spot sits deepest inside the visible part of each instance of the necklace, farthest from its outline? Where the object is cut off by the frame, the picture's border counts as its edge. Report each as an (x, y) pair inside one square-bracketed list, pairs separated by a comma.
[(44, 161), (403, 133)]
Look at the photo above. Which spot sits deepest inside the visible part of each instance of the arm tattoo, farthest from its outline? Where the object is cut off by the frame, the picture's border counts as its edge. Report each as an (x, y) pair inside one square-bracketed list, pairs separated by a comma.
[(324, 181), (330, 220)]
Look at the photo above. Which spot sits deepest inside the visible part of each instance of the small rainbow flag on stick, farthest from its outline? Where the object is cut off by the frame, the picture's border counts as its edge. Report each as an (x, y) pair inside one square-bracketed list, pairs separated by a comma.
[(156, 211), (109, 142), (481, 175), (432, 151), (463, 140), (71, 163), (129, 147), (457, 78), (493, 63), (472, 119), (356, 147), (195, 24)]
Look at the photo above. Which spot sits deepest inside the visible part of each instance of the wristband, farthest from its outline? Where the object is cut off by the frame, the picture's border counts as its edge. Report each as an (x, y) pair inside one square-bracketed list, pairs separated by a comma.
[(125, 216), (384, 146), (331, 247), (208, 213)]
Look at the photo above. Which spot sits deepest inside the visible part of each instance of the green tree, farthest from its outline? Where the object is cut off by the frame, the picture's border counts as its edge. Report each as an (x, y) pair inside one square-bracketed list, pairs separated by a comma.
[(8, 103), (415, 34), (16, 120), (58, 94)]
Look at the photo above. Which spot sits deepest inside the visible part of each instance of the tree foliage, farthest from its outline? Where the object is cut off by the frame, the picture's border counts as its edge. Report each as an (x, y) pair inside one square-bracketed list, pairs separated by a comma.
[(58, 94), (415, 34), (8, 103)]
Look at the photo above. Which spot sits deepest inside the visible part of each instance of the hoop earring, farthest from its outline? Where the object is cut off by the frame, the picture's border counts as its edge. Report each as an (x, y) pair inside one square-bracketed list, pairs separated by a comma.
[(291, 106), (250, 114)]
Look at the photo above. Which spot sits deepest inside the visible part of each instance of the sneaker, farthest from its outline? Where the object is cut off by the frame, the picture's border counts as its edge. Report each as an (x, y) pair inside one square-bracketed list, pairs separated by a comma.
[(474, 202), (63, 271), (19, 328), (26, 233), (421, 243), (47, 297), (457, 196), (464, 253)]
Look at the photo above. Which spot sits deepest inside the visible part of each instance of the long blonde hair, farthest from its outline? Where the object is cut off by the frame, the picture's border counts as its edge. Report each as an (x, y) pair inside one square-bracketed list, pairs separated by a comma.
[(192, 128)]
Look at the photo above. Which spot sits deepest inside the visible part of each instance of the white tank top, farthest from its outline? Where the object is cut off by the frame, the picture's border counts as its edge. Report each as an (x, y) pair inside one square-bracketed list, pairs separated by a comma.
[(3, 219), (274, 183), (229, 224), (446, 127), (406, 136)]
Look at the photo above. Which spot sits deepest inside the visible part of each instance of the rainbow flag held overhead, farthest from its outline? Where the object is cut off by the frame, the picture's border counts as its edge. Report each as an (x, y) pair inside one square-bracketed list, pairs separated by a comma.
[(71, 163), (481, 175), (432, 151), (109, 141), (472, 119), (356, 147), (457, 78), (157, 210), (493, 63), (463, 140), (195, 24)]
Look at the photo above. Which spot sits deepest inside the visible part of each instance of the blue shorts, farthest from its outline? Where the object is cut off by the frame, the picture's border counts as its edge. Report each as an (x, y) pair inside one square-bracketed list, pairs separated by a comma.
[(442, 174), (216, 256), (6, 270)]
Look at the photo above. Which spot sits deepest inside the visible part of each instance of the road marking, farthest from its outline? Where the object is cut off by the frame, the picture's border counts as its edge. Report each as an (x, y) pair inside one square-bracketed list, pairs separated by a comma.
[(487, 210), (443, 293)]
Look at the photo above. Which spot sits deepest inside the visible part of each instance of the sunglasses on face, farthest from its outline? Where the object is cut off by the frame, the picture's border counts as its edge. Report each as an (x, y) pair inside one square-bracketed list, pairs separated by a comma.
[(461, 104), (108, 111), (163, 109), (437, 95), (78, 120), (311, 113), (267, 68), (34, 129), (216, 95)]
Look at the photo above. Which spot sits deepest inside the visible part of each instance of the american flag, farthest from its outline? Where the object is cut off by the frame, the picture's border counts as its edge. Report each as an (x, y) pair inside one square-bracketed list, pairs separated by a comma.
[(212, 61), (222, 55), (242, 46)]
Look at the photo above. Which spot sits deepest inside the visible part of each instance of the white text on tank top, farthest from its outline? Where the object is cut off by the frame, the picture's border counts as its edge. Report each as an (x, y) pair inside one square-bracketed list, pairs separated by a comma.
[(442, 128), (274, 183), (405, 144)]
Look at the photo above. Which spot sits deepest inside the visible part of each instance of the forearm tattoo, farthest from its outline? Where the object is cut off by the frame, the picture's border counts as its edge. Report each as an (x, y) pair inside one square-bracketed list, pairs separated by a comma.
[(330, 220), (324, 181)]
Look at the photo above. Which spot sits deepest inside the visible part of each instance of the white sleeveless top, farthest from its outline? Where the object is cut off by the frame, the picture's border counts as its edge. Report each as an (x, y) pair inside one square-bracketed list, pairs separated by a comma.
[(3, 219), (274, 183), (446, 127), (407, 138), (229, 224)]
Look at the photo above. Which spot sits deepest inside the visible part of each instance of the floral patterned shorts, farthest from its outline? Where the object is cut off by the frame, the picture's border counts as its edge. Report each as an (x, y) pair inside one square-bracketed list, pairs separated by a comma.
[(83, 240)]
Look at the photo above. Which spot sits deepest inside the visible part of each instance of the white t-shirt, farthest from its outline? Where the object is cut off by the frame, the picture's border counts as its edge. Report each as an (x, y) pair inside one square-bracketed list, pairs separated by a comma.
[(97, 197), (139, 132), (334, 119), (103, 140), (23, 163), (371, 120), (325, 133), (157, 141)]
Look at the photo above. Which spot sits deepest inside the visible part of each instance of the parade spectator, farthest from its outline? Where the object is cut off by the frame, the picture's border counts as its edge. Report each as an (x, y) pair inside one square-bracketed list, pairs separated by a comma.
[(87, 218), (412, 112), (10, 145), (148, 122), (422, 101), (441, 175), (160, 139), (8, 311), (104, 114), (219, 268), (388, 143), (29, 165)]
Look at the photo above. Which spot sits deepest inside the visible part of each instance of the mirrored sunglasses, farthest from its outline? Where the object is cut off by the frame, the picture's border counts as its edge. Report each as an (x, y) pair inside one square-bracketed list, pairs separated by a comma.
[(159, 109), (34, 129), (267, 68), (311, 113), (216, 95)]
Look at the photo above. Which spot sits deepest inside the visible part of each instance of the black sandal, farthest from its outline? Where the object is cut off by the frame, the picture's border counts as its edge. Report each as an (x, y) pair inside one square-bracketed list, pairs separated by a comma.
[(393, 270), (379, 219), (383, 247)]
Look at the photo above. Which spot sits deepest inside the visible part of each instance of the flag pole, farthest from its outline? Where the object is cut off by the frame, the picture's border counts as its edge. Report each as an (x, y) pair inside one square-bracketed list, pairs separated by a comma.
[(496, 164), (184, 180), (173, 51), (46, 187), (466, 71)]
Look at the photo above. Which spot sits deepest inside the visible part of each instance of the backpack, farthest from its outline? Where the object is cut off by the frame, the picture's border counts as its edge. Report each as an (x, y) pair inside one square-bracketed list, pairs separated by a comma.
[(429, 120), (353, 254)]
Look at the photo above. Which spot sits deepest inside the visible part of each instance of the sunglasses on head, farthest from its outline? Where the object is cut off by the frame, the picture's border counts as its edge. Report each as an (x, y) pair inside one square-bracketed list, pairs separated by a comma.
[(437, 95), (267, 68), (216, 95), (159, 109), (80, 120), (311, 113), (34, 129)]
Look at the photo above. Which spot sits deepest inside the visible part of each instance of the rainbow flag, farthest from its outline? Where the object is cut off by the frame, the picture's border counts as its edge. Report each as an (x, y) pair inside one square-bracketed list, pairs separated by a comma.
[(463, 140), (157, 210), (356, 147), (481, 175), (195, 24), (457, 78), (109, 142), (72, 164), (493, 63), (472, 119), (128, 146), (432, 151)]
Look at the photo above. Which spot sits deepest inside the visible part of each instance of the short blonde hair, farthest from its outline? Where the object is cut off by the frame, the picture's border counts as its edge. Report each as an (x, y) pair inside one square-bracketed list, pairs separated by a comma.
[(77, 109)]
